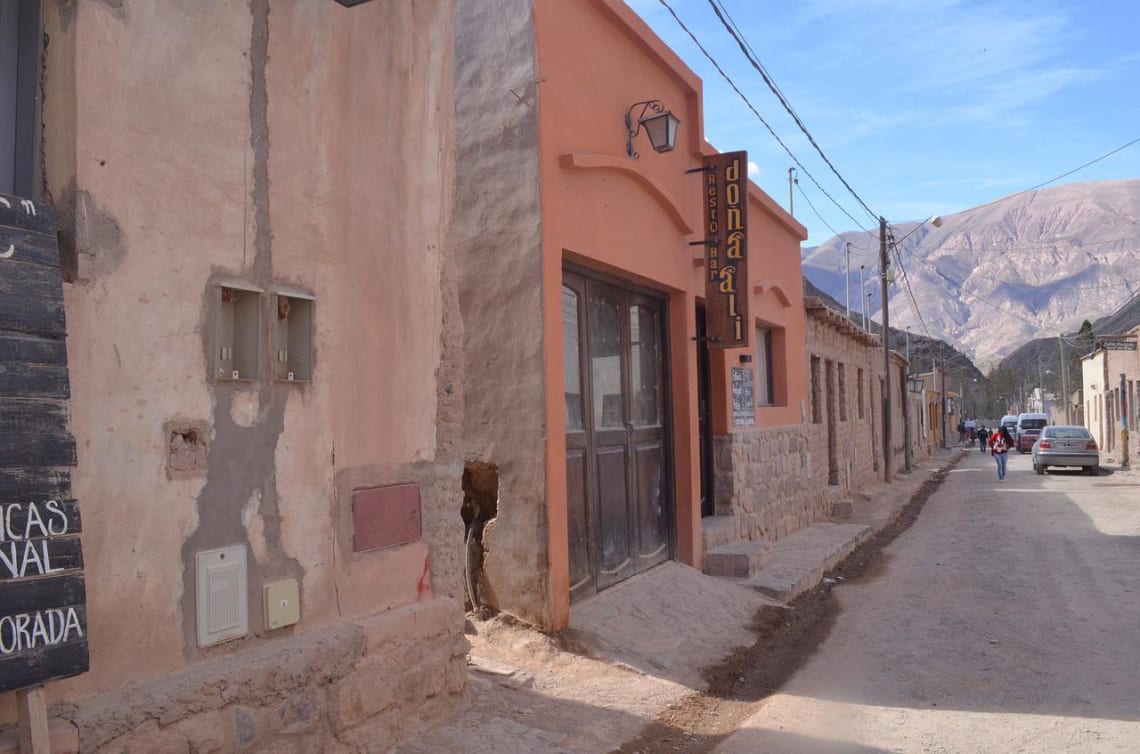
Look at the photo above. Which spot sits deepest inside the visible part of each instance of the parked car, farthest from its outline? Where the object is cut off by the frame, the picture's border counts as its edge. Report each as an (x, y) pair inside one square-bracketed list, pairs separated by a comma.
[(1027, 439), (1066, 445), (1029, 421)]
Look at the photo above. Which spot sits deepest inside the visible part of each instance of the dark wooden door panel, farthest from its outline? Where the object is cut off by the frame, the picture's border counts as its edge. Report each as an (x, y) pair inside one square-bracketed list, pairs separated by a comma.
[(581, 556), (619, 497), (654, 509), (615, 560)]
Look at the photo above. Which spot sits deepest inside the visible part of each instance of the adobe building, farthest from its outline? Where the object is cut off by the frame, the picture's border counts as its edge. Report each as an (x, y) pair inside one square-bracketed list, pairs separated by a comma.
[(266, 371), (611, 420), (941, 427), (1109, 376)]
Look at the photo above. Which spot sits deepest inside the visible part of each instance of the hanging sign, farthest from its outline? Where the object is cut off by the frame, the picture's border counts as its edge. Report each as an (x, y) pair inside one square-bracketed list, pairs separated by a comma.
[(43, 615), (1119, 344), (725, 201)]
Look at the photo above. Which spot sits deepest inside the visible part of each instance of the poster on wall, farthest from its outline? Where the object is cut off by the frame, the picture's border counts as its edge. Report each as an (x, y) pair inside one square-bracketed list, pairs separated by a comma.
[(43, 615), (725, 199), (743, 402)]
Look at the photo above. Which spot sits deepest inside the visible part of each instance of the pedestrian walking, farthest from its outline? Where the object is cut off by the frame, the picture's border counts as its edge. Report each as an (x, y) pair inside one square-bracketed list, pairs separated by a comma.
[(1000, 443), (983, 438), (961, 433)]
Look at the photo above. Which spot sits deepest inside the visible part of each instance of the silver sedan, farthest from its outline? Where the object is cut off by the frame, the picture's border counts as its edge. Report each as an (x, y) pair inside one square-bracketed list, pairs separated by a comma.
[(1066, 445)]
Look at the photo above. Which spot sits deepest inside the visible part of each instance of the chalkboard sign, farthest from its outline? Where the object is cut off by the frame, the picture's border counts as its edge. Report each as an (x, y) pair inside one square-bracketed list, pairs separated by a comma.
[(43, 615), (743, 402)]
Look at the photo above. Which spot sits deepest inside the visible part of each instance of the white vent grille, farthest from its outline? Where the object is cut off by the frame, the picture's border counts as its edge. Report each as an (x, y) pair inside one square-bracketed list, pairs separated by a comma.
[(222, 595)]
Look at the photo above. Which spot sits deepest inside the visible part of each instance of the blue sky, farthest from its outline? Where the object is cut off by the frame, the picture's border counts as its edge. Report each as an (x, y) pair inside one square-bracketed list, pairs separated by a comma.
[(924, 106)]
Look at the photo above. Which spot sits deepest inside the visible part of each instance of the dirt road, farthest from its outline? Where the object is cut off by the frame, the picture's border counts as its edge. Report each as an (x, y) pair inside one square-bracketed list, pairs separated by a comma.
[(1007, 619)]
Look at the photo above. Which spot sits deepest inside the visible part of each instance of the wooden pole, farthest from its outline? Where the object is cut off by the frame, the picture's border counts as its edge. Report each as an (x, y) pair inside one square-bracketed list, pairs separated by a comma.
[(884, 263), (32, 709)]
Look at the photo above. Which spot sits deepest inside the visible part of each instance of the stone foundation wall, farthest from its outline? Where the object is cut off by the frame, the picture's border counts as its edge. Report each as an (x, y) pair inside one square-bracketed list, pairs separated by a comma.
[(858, 429), (775, 481), (354, 687), (772, 481)]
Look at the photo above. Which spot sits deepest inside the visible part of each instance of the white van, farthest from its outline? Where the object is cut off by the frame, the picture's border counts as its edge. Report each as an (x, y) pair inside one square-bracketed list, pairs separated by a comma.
[(1030, 421), (1009, 421)]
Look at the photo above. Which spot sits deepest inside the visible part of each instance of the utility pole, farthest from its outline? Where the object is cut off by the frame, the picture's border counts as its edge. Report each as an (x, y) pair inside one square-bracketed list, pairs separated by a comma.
[(1064, 378), (861, 268), (847, 277), (1123, 421), (1040, 385), (908, 461), (945, 398), (791, 203), (886, 325)]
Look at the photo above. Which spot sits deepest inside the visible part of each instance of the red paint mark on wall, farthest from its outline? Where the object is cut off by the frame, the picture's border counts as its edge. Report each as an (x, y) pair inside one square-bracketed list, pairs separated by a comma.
[(424, 585)]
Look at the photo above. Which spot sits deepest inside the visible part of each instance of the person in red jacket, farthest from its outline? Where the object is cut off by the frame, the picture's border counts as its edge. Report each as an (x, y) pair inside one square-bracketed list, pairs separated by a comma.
[(1000, 443)]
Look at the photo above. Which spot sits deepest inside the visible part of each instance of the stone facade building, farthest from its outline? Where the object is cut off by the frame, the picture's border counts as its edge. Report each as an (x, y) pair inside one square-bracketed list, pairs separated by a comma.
[(266, 367)]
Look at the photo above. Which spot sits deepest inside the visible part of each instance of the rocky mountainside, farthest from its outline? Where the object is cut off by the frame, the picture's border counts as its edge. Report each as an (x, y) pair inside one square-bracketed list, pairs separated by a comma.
[(924, 353), (1031, 265), (1045, 354)]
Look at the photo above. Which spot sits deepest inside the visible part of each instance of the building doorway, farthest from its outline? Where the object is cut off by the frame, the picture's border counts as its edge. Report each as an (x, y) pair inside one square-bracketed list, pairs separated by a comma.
[(619, 481), (704, 414), (832, 438)]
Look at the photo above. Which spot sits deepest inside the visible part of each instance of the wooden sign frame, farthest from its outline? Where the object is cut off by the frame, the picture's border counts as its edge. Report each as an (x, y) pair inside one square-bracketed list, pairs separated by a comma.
[(725, 200)]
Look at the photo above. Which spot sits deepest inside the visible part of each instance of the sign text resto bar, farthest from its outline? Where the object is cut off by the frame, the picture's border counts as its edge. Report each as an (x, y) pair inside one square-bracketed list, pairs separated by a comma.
[(725, 202)]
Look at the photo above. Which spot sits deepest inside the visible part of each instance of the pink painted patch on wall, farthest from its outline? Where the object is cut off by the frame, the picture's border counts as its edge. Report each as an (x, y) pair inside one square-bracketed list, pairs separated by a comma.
[(385, 517)]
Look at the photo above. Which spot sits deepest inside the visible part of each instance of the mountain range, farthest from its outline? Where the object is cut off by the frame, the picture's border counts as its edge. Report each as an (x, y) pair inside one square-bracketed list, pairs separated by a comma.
[(1031, 265)]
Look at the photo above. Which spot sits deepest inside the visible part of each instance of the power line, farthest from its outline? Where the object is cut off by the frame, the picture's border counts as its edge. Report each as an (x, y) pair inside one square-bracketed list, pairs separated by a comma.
[(746, 49), (906, 283), (1078, 245), (813, 209), (1059, 177), (1090, 162), (755, 112), (732, 21)]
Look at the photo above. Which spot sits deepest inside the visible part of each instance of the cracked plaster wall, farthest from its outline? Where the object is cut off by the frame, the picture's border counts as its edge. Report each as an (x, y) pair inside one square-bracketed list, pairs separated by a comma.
[(259, 141), (498, 241)]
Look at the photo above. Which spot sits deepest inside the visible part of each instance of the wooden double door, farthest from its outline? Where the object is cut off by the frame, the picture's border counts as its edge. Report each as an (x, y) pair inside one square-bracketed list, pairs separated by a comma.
[(619, 483)]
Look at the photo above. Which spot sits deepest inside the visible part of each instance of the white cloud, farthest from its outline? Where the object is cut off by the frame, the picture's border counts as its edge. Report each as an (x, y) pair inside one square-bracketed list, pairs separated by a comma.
[(753, 169)]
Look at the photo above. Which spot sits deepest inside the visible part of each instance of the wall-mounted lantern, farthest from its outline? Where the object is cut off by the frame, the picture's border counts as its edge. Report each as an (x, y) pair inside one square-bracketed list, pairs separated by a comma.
[(914, 384), (659, 123)]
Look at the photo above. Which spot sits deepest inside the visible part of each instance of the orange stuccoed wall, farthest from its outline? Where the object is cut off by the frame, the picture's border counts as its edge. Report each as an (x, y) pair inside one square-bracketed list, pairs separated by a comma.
[(635, 218)]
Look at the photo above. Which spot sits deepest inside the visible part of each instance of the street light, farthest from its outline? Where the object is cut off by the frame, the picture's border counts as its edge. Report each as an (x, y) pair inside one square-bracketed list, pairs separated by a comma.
[(884, 266), (658, 122)]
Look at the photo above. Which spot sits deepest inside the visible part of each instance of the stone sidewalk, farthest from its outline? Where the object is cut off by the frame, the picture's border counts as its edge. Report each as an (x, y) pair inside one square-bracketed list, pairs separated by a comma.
[(641, 646)]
